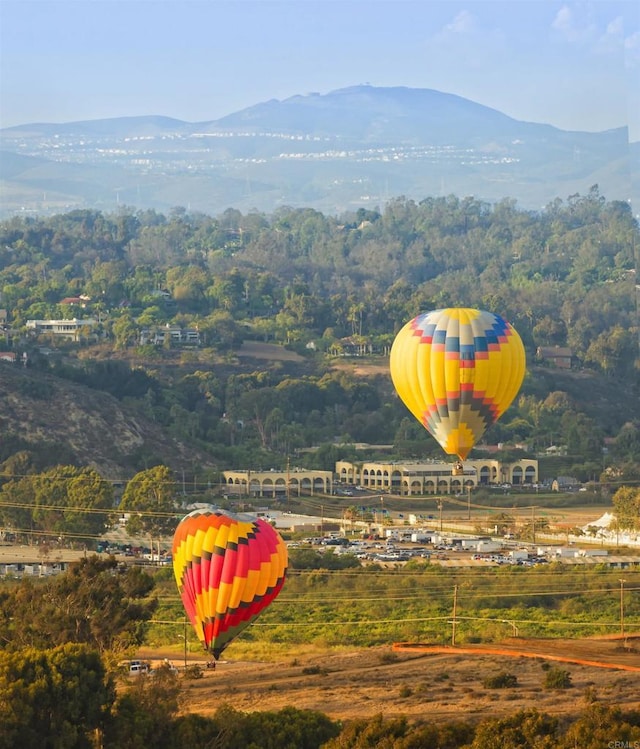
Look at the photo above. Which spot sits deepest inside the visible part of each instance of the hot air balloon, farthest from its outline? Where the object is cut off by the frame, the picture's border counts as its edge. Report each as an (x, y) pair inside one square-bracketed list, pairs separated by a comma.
[(457, 370), (228, 568)]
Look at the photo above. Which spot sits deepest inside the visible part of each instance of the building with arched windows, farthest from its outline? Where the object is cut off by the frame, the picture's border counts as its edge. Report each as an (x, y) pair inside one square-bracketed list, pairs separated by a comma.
[(403, 479), (433, 477), (281, 484)]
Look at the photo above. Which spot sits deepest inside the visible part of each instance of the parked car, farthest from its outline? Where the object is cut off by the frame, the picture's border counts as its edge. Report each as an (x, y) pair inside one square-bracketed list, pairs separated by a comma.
[(135, 668)]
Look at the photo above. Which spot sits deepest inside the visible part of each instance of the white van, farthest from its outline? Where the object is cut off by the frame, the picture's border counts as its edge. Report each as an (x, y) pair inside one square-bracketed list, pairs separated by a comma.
[(135, 668)]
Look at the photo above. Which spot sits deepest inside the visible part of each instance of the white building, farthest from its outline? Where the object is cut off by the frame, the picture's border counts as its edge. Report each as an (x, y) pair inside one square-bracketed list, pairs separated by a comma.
[(436, 477), (72, 329)]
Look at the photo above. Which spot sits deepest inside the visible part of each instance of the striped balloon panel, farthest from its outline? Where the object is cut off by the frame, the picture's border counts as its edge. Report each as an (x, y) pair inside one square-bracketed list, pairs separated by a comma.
[(228, 570)]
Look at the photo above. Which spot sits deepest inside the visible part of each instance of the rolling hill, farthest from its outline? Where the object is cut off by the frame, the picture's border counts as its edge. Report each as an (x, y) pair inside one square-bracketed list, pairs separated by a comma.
[(353, 147)]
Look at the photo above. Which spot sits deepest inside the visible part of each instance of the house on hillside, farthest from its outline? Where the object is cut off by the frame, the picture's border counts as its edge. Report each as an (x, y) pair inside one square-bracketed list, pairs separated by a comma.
[(71, 330), (351, 346), (557, 356), (78, 301), (170, 333)]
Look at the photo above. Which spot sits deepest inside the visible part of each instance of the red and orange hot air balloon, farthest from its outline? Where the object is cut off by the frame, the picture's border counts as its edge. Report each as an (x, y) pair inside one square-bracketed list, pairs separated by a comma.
[(228, 568), (457, 370)]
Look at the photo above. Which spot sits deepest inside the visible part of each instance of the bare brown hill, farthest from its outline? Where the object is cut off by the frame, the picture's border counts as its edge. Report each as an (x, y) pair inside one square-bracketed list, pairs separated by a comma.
[(92, 427)]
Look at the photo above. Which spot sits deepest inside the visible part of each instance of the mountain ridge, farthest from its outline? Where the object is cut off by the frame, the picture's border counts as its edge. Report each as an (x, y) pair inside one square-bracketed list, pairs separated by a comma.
[(332, 152), (312, 98)]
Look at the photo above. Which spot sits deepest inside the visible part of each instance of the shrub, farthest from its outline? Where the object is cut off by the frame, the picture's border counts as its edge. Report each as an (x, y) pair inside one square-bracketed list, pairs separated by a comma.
[(194, 671), (313, 671), (388, 657), (557, 678), (502, 680), (590, 694)]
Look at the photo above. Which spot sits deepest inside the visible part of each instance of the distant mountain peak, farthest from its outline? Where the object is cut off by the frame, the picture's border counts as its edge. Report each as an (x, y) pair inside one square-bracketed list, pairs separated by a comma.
[(364, 112), (355, 146)]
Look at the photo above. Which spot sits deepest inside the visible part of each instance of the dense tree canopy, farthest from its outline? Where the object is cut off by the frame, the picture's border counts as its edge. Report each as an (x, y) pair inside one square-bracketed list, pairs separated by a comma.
[(53, 699), (61, 500), (330, 286), (94, 603), (563, 276)]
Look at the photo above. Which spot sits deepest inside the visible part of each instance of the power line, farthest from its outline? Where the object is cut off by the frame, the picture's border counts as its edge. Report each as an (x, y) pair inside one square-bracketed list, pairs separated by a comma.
[(90, 510), (409, 620), (466, 596)]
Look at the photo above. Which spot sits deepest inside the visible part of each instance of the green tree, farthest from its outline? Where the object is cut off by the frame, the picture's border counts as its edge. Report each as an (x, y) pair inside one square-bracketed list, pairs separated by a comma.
[(220, 330), (150, 500), (602, 725), (58, 501), (53, 699), (17, 465), (143, 716), (525, 729), (90, 603), (627, 443), (124, 331), (614, 350), (626, 505), (17, 504), (65, 497), (288, 728), (371, 732), (581, 435)]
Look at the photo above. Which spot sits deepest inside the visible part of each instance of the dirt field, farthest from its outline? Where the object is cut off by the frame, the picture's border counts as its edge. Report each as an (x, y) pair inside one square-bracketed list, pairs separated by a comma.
[(257, 350), (361, 368), (22, 554), (439, 686)]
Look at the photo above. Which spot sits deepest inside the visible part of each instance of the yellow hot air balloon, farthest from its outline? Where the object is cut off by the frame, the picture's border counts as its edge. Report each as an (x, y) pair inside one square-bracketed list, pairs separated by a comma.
[(457, 370)]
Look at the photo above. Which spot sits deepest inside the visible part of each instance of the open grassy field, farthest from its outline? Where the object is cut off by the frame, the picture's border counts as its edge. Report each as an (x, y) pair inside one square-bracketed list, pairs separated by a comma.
[(439, 686)]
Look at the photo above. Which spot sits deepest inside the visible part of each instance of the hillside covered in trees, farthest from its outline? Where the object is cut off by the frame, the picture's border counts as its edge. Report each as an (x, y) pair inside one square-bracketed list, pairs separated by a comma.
[(326, 288)]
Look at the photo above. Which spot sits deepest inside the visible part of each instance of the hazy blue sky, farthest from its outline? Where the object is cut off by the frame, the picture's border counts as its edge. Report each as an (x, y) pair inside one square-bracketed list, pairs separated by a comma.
[(575, 65)]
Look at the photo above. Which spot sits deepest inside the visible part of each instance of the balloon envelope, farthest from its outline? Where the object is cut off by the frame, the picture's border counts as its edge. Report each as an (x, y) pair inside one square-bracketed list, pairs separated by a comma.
[(457, 370), (228, 569)]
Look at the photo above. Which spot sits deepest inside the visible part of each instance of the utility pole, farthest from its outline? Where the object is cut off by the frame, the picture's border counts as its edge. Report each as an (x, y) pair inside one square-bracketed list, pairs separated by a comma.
[(288, 483), (440, 510), (185, 643), (622, 582), (533, 523), (468, 502), (453, 618)]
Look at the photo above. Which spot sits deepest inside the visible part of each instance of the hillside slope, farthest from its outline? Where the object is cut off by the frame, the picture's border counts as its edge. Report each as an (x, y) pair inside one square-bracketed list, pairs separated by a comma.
[(92, 426)]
